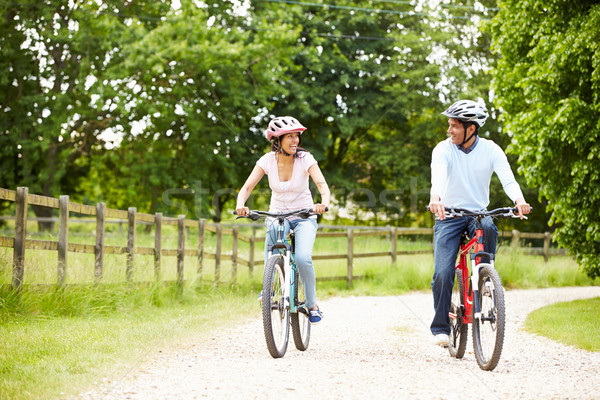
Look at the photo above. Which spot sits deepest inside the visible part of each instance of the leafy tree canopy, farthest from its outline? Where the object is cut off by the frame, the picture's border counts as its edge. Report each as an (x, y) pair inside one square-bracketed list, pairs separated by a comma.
[(547, 83)]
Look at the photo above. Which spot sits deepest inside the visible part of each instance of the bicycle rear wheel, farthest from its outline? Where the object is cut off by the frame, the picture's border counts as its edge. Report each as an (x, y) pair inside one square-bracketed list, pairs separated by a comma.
[(488, 331), (276, 316), (299, 319), (458, 329)]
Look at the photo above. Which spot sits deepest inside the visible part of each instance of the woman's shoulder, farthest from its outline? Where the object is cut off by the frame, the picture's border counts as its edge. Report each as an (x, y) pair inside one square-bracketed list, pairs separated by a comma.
[(306, 157), (268, 156)]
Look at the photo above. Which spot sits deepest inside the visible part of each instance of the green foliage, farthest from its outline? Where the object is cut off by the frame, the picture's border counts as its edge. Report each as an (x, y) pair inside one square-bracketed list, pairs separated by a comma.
[(547, 83), (163, 108)]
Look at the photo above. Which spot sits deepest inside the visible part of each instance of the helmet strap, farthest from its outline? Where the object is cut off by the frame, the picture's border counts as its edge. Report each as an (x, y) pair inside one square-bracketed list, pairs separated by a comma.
[(465, 126), (280, 148)]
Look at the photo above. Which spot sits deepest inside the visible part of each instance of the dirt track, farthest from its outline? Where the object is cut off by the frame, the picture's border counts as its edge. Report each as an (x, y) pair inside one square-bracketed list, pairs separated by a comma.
[(367, 347)]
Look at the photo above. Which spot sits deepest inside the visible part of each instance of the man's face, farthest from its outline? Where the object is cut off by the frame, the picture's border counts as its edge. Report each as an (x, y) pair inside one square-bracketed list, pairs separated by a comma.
[(456, 130)]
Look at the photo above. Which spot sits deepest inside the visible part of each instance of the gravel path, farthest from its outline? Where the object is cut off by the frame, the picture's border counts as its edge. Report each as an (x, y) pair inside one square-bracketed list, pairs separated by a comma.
[(368, 347)]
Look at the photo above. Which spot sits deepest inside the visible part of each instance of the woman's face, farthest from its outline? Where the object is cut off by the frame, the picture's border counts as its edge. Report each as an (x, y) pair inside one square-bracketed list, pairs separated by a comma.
[(290, 141)]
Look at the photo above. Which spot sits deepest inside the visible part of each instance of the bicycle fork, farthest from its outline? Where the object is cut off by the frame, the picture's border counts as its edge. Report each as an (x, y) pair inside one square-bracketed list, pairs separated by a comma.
[(475, 283)]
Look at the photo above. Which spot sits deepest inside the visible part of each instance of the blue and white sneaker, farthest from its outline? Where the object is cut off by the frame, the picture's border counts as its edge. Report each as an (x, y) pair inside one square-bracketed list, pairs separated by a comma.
[(260, 297), (315, 316)]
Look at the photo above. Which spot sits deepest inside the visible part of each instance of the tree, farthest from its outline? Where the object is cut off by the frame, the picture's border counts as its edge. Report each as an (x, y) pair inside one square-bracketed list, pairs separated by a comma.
[(548, 86), (51, 52), (186, 97), (370, 87)]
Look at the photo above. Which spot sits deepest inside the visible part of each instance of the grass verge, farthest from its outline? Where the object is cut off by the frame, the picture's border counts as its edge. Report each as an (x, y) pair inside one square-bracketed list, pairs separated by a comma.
[(53, 352), (575, 323)]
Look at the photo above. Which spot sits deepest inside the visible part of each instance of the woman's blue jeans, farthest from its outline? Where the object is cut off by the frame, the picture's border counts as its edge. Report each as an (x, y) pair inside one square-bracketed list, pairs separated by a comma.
[(305, 231), (446, 240)]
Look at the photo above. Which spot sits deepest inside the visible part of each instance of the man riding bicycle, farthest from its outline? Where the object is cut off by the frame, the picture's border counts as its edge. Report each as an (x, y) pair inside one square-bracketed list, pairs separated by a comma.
[(461, 171)]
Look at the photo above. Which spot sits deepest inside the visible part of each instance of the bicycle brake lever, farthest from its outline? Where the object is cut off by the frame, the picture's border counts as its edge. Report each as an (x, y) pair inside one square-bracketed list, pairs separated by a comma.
[(254, 216)]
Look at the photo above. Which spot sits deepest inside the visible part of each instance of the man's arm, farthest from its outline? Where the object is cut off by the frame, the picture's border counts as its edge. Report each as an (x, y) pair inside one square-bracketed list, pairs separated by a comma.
[(439, 175), (509, 183)]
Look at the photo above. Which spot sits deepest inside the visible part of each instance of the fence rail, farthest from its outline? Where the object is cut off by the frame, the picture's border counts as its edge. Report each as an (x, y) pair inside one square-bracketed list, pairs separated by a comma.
[(19, 243)]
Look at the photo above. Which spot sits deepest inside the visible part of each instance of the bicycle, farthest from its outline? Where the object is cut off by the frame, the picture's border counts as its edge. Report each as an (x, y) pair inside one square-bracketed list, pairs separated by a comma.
[(283, 301), (478, 298)]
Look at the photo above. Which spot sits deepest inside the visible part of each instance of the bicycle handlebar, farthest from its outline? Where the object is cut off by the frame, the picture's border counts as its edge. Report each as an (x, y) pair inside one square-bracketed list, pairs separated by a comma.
[(255, 215), (505, 212)]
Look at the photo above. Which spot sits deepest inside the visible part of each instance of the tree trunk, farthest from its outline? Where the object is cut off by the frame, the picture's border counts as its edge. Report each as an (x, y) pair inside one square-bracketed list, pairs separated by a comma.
[(45, 213)]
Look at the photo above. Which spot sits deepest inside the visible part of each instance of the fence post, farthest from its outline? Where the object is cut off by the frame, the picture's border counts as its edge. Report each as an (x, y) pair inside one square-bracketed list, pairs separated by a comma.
[(515, 238), (131, 211), (157, 246), (99, 249), (350, 235), (200, 248), (218, 253), (20, 237), (234, 253), (394, 233), (63, 238), (251, 253), (180, 250), (547, 239)]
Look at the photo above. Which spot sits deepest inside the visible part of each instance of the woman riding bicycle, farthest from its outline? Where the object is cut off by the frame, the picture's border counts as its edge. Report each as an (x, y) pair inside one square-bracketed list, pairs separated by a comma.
[(288, 167), (461, 170)]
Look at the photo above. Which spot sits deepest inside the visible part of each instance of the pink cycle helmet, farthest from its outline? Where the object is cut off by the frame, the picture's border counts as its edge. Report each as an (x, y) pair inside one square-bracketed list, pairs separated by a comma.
[(282, 125)]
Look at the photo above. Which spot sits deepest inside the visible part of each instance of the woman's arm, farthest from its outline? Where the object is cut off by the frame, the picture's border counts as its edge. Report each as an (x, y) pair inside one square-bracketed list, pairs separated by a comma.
[(255, 177), (319, 180)]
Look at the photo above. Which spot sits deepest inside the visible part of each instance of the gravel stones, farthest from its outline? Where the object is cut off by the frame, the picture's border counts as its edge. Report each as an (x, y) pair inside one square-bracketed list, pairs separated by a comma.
[(367, 347)]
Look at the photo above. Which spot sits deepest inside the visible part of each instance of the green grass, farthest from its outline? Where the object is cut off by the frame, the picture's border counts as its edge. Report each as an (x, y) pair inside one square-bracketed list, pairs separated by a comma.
[(57, 341), (575, 323), (55, 344)]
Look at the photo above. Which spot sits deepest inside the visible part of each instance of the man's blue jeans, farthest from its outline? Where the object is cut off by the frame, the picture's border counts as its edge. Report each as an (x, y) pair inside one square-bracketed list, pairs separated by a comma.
[(305, 231), (446, 239)]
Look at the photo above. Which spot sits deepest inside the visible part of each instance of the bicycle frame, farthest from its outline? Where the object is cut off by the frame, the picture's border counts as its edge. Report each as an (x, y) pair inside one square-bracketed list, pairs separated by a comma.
[(470, 282), (284, 248)]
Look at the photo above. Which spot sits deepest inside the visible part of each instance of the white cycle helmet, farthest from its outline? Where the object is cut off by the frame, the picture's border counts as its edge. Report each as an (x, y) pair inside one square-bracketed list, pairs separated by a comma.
[(467, 111), (281, 125)]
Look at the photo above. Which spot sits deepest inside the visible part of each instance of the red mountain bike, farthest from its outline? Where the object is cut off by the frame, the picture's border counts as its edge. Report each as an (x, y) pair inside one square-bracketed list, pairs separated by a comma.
[(478, 298)]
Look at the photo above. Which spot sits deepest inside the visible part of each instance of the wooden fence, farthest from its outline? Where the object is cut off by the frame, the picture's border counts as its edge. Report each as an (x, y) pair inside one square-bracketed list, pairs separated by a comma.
[(104, 215)]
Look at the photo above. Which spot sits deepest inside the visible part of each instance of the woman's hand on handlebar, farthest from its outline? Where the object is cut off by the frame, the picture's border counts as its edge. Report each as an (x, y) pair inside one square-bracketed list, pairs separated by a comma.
[(242, 211), (320, 208)]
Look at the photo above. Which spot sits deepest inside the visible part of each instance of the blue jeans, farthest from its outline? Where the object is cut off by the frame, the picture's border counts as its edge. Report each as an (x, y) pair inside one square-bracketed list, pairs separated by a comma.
[(446, 240), (305, 231)]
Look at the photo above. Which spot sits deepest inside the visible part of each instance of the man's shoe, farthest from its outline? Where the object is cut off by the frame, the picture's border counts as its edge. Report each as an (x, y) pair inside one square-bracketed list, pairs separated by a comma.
[(260, 297), (315, 316), (441, 339)]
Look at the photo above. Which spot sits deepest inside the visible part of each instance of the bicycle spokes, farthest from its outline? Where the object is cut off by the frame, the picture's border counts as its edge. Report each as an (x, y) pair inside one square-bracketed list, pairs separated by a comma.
[(488, 327)]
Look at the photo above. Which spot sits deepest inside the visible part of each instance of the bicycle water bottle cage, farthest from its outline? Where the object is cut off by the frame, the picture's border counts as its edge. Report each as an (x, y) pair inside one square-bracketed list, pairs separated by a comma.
[(292, 240), (464, 237)]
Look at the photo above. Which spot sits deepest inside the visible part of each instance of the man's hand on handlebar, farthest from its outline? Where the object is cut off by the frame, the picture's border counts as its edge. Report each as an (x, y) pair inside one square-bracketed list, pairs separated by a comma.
[(523, 208), (437, 207)]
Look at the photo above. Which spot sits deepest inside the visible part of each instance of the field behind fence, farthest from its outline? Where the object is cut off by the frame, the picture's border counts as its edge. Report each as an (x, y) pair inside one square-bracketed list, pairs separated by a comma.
[(103, 245)]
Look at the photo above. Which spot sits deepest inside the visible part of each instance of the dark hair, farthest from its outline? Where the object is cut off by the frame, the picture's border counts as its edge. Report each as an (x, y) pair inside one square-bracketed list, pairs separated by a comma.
[(276, 146), (466, 125)]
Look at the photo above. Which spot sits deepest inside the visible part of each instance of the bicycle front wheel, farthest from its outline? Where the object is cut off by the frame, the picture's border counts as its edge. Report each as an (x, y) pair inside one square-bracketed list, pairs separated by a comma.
[(488, 330), (458, 329), (276, 316), (299, 319)]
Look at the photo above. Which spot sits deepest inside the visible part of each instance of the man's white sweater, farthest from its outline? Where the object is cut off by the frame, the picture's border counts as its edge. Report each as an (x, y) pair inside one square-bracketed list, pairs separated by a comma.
[(463, 180)]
